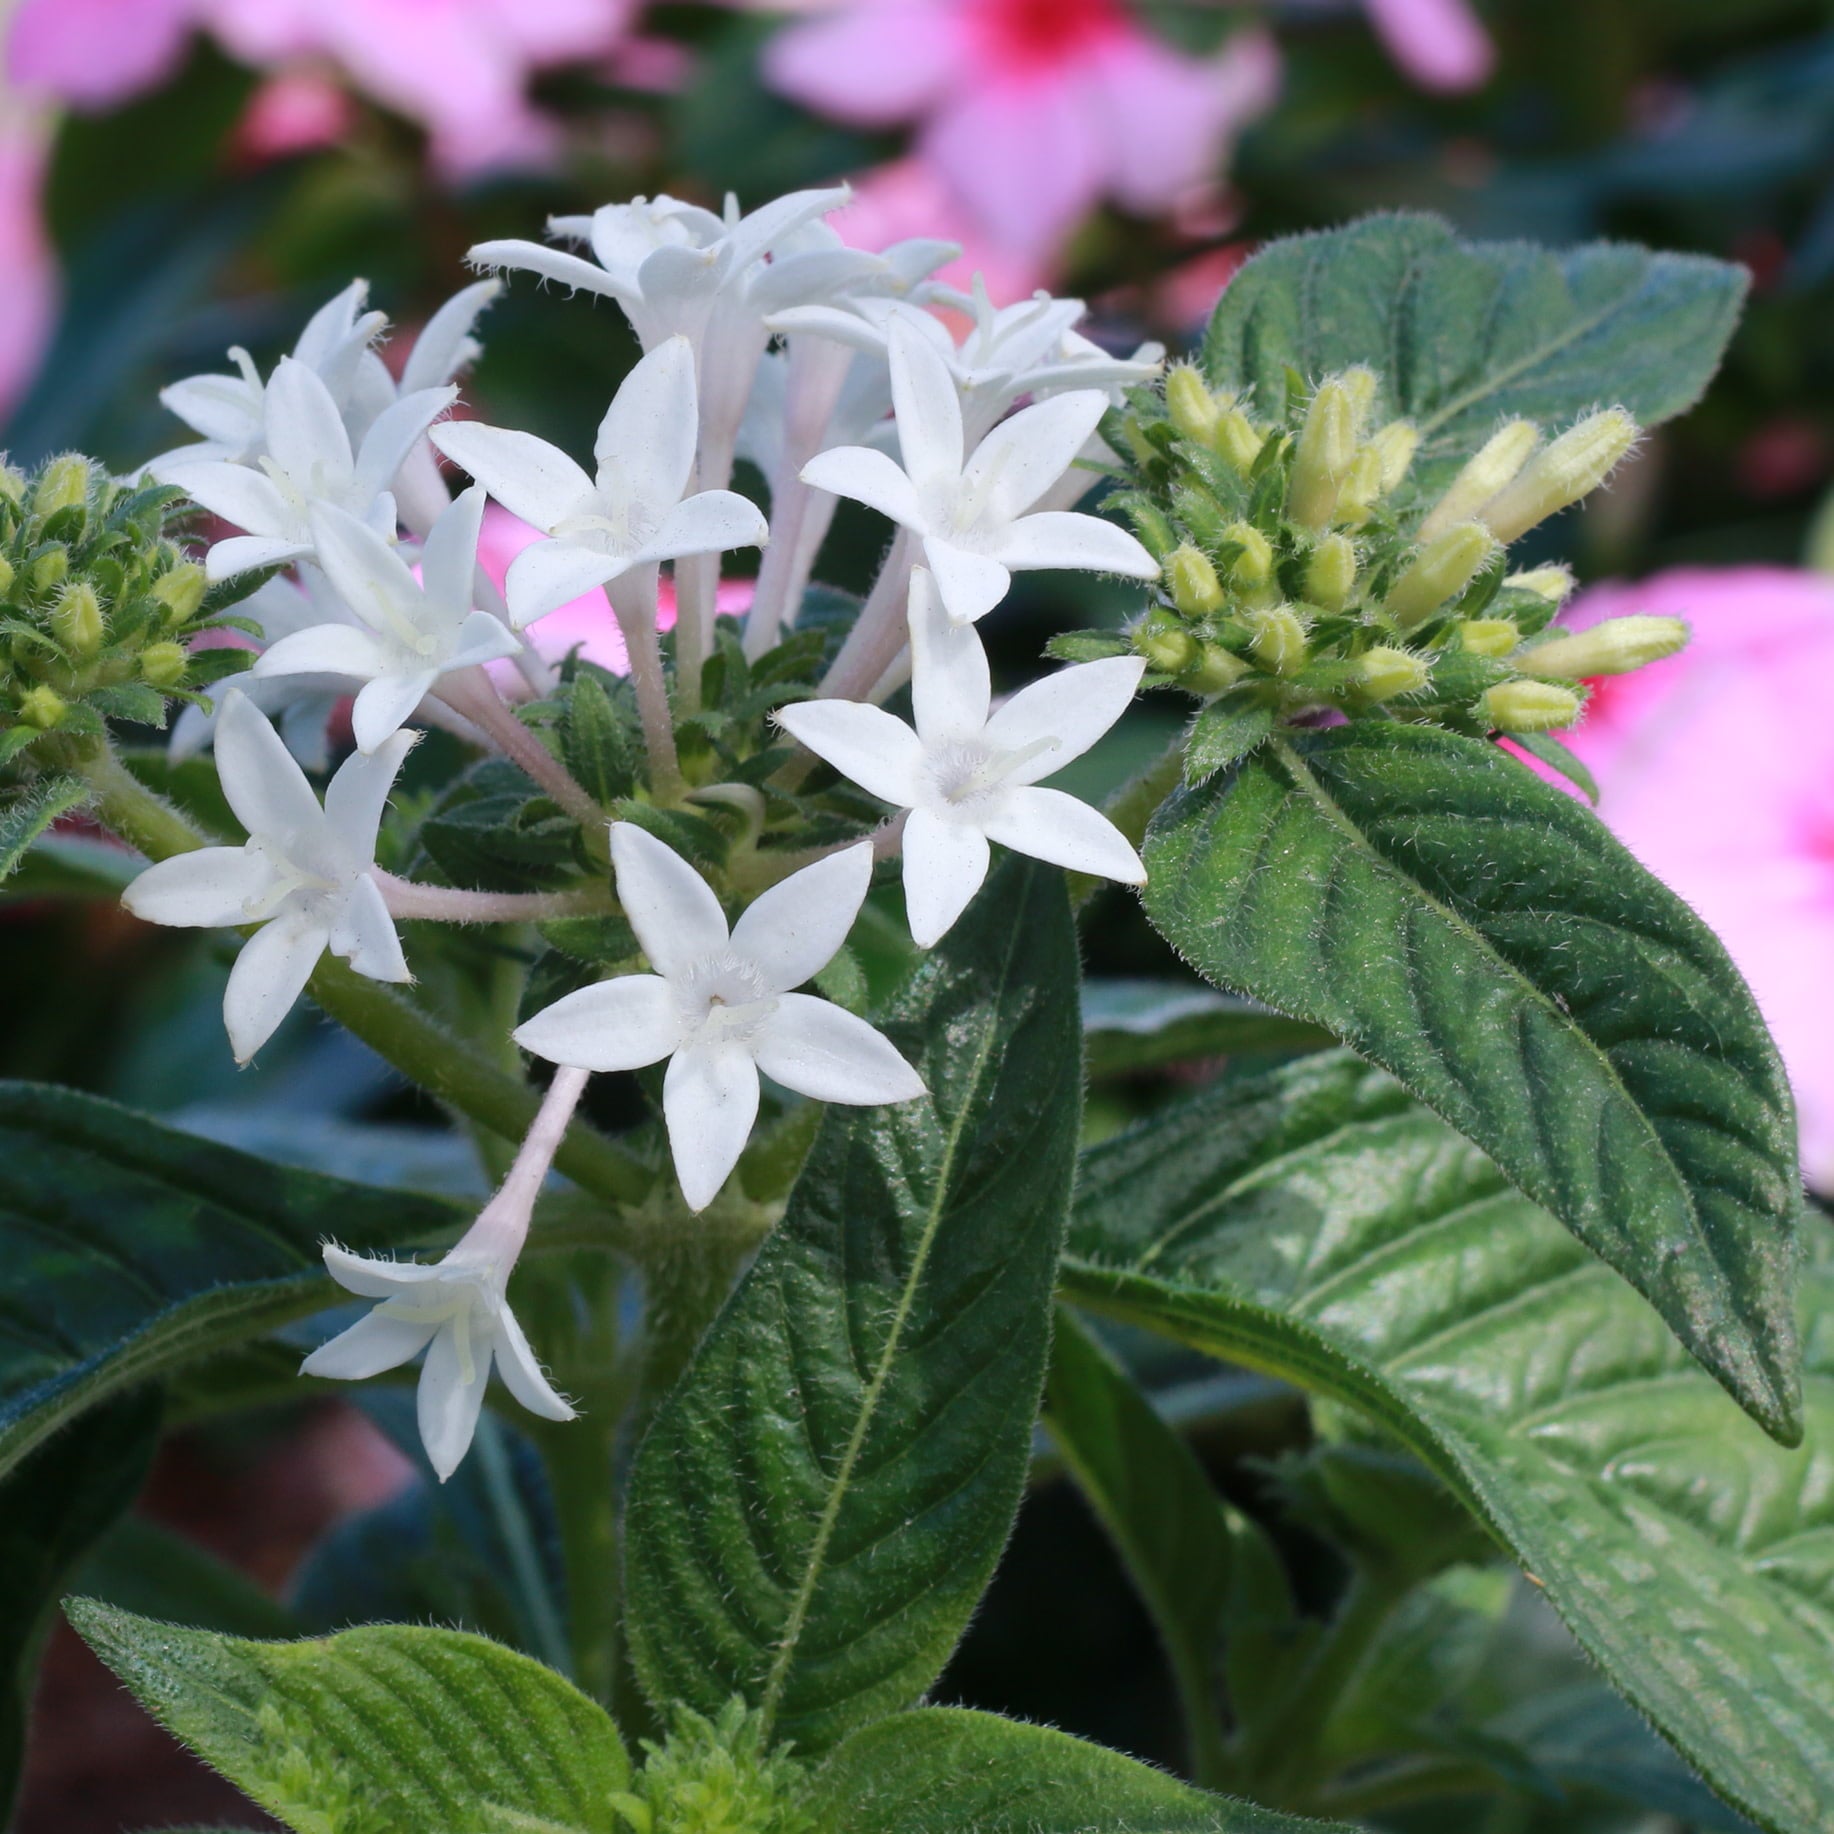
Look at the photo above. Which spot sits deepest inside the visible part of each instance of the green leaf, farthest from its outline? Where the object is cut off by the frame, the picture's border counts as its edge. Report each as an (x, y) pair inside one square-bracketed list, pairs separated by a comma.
[(1487, 940), (596, 747), (941, 1770), (52, 1508), (1141, 1025), (389, 1729), (1151, 1494), (1223, 734), (1556, 757), (131, 1249), (1318, 1225), (1463, 334), (818, 1505), (27, 813)]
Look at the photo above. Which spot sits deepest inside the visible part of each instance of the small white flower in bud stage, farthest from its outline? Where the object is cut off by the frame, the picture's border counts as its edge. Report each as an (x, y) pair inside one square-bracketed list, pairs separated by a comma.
[(970, 512), (306, 874), (969, 775), (457, 1308), (308, 461), (409, 632), (720, 1005), (632, 514)]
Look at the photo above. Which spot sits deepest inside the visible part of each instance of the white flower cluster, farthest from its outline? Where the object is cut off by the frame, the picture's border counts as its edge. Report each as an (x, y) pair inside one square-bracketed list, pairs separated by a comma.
[(761, 334)]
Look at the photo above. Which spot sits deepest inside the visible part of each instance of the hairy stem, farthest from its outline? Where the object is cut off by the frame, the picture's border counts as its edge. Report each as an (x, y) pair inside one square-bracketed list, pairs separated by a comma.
[(633, 602), (878, 633), (472, 693), (446, 904), (126, 807)]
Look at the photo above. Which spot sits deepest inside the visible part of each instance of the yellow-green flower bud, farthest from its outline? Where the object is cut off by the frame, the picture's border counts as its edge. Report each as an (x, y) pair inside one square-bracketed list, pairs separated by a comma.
[(41, 707), (1167, 646), (1330, 574), (181, 592), (1192, 408), (162, 665), (76, 619), (1253, 567), (1555, 584), (1236, 438), (1382, 673), (1215, 671), (1614, 647), (1572, 467), (1488, 470), (1394, 446), (1489, 636), (1362, 489), (1196, 590), (1440, 571), (1277, 637), (51, 568), (1142, 448), (1327, 445), (12, 484), (6, 575), (63, 482), (1360, 385), (1529, 706)]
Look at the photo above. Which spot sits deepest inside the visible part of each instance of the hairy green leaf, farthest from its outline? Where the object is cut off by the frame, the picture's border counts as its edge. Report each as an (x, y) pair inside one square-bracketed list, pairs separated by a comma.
[(1488, 941), (1140, 1025), (389, 1729), (1463, 335), (818, 1505), (131, 1249), (1223, 734), (941, 1770), (1319, 1225), (27, 813)]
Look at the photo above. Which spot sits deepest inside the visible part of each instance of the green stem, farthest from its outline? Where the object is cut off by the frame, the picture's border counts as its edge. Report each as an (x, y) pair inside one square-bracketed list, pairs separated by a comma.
[(129, 809), (1404, 1783)]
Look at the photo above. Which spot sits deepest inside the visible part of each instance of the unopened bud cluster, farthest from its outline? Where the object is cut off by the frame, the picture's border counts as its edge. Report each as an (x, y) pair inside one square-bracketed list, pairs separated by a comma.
[(1306, 565), (98, 606)]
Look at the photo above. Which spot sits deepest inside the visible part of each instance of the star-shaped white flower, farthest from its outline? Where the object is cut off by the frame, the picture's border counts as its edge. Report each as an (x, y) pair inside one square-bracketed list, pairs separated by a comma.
[(308, 461), (632, 514), (970, 517), (409, 632), (306, 874), (720, 1004), (969, 775)]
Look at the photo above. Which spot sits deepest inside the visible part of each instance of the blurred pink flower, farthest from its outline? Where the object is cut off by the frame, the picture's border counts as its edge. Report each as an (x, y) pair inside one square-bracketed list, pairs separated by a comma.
[(297, 111), (28, 303), (1440, 44), (1716, 769), (910, 198), (1031, 109), (95, 53)]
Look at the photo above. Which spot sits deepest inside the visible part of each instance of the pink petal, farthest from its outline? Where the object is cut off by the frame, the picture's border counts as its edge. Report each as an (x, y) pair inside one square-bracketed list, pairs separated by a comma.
[(95, 53), (871, 64), (1439, 43)]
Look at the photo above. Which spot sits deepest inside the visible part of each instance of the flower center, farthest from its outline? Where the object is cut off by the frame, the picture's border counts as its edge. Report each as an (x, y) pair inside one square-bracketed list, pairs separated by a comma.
[(290, 882), (1038, 36), (969, 776), (723, 999), (453, 1299)]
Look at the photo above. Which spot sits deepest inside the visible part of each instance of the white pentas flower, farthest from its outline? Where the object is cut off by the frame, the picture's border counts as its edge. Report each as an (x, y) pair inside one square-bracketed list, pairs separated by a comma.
[(969, 511), (408, 632), (308, 461), (970, 775), (456, 1309), (306, 874), (632, 514), (720, 1005)]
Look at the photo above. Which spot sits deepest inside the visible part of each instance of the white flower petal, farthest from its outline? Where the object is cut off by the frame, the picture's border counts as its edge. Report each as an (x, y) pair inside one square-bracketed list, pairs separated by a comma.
[(451, 1395), (928, 410), (795, 929), (394, 434), (449, 558), (867, 745), (1067, 538), (549, 263), (709, 1100), (326, 649), (268, 976), (620, 1024), (1073, 708), (482, 638), (969, 585), (951, 689), (1051, 826), (305, 431), (385, 705), (945, 864), (646, 442), (1024, 456), (364, 935), (835, 323), (205, 890), (243, 553), (549, 574), (869, 477), (357, 795), (445, 345), (530, 478), (670, 906), (710, 523), (374, 1276), (522, 1373), (264, 786), (374, 1343), (222, 408), (756, 234), (821, 1050), (248, 498)]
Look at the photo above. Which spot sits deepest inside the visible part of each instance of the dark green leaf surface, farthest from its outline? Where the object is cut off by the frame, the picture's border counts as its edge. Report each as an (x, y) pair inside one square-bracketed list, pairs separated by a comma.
[(131, 1249), (1221, 735), (1485, 939), (820, 1502), (391, 1727), (1133, 1025), (943, 1771), (1318, 1225), (1464, 335)]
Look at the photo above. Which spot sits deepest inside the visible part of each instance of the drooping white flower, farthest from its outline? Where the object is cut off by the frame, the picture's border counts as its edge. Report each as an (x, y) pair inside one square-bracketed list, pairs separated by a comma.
[(720, 1005), (408, 632), (308, 461), (457, 1308), (969, 512), (306, 874), (632, 514), (970, 775)]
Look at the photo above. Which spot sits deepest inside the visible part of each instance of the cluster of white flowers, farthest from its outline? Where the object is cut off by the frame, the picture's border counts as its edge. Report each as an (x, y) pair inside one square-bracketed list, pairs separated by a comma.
[(762, 334)]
